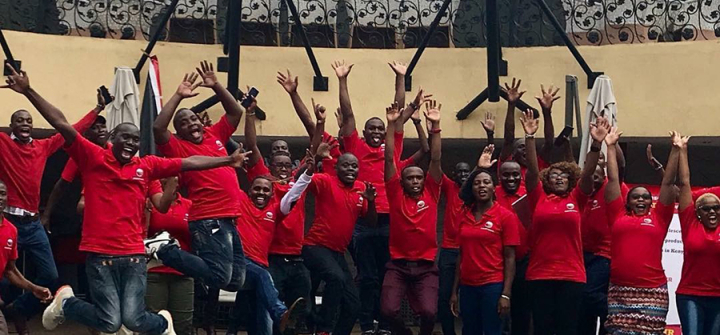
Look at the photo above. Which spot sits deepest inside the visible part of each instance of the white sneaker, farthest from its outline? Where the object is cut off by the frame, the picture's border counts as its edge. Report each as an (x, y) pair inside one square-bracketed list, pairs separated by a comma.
[(160, 239), (170, 330), (53, 314)]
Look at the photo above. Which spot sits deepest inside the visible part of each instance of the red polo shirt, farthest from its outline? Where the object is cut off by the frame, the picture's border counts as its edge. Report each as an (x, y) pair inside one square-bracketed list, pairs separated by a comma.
[(8, 239), (71, 172), (637, 243), (453, 213), (595, 226), (215, 193), (372, 164), (481, 244), (115, 195), (175, 222), (337, 207), (555, 240), (701, 252), (256, 227), (23, 164), (506, 200), (413, 221)]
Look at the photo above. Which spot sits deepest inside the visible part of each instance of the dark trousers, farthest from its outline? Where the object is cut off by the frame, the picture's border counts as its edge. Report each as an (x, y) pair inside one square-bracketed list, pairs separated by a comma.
[(371, 255), (446, 264), (556, 305), (699, 315), (291, 278), (521, 305), (479, 308), (418, 281), (117, 286), (176, 295), (265, 307), (218, 258), (594, 300), (33, 241), (340, 301)]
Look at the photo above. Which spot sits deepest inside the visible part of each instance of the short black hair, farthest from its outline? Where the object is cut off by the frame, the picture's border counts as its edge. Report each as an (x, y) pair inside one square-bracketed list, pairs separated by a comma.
[(374, 118), (466, 193)]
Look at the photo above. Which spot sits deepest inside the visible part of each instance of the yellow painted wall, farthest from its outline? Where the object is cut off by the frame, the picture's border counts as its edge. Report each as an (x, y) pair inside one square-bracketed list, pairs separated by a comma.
[(658, 86)]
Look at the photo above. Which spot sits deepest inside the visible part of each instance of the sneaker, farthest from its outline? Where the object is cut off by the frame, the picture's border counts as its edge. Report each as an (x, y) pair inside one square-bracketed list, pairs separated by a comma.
[(290, 318), (170, 330), (53, 314), (368, 332), (157, 241), (383, 332)]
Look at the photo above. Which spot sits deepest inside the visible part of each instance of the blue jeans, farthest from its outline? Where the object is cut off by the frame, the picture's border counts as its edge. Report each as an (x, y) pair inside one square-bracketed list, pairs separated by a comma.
[(595, 301), (372, 253), (699, 315), (265, 306), (446, 264), (33, 241), (218, 258), (479, 308), (117, 286)]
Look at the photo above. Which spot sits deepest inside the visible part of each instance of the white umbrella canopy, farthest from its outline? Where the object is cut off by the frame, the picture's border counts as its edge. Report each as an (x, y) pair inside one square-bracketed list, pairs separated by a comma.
[(601, 101)]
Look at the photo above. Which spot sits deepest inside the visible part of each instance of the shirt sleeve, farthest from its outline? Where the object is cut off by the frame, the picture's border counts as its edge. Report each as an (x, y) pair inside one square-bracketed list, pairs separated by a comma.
[(393, 189), (352, 142), (169, 149), (318, 183), (55, 142), (511, 229), (295, 193), (70, 172), (615, 210), (580, 197), (83, 151), (664, 213), (14, 252), (687, 218), (399, 145), (534, 197), (433, 186), (257, 170), (222, 129), (446, 182), (155, 188), (159, 168)]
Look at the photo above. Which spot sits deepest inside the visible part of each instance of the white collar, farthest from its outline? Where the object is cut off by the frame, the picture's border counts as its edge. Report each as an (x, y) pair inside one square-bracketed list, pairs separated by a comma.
[(15, 138)]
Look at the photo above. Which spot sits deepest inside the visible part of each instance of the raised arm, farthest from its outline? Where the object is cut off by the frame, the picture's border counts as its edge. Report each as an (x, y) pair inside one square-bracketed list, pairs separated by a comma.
[(251, 135), (370, 194), (530, 126), (667, 188), (186, 89), (656, 165), (321, 116), (612, 188), (546, 102), (233, 110), (342, 71), (489, 126), (514, 95), (684, 174), (598, 132), (421, 153), (236, 160), (20, 82), (400, 69), (300, 185), (406, 114), (393, 115), (432, 114), (290, 84)]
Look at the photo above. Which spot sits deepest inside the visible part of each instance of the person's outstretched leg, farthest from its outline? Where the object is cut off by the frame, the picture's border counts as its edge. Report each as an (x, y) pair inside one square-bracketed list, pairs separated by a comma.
[(446, 265), (323, 265), (132, 273), (350, 300)]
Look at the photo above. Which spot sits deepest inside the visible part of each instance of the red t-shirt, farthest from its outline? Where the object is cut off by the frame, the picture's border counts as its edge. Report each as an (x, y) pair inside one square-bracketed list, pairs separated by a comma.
[(482, 241), (637, 243), (23, 165), (453, 213), (701, 257), (256, 227), (115, 196), (555, 240), (175, 222), (595, 226), (71, 171), (506, 200), (215, 193), (372, 164), (288, 237), (337, 207), (8, 238), (413, 221)]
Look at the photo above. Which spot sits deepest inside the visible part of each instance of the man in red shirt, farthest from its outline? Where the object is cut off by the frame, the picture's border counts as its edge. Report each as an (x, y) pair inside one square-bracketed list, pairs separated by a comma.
[(413, 199), (22, 168), (8, 255), (218, 256), (116, 185)]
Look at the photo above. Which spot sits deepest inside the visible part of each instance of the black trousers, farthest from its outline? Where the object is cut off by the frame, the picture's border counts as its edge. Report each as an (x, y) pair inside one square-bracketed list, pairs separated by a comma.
[(291, 279), (521, 310), (556, 306), (372, 253), (594, 301)]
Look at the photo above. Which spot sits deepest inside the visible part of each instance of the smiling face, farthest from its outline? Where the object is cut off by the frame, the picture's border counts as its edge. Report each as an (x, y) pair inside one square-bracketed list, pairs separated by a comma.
[(413, 180), (510, 177), (347, 169), (708, 209), (461, 172), (21, 125), (374, 132), (126, 142), (559, 181), (279, 146), (188, 126), (639, 201), (261, 192), (280, 166), (483, 188)]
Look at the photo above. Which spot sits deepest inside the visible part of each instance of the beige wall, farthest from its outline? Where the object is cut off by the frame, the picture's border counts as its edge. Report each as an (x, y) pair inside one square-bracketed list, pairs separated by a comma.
[(658, 86)]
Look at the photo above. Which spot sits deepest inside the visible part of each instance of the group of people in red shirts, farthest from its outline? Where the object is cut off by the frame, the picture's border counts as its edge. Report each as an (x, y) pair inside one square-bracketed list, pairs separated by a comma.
[(541, 242)]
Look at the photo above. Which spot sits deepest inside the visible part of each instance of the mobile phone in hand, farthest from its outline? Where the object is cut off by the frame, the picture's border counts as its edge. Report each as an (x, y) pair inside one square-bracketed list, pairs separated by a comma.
[(252, 93), (7, 72), (564, 136), (106, 95)]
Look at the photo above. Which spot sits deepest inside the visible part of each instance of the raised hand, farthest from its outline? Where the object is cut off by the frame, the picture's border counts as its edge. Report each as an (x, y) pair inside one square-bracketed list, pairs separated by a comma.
[(319, 111), (207, 73), (18, 82), (289, 83), (188, 86), (253, 102), (205, 119), (599, 129), (489, 123), (548, 97), (239, 157), (370, 193), (392, 113), (651, 158), (309, 162), (679, 140), (100, 100), (432, 112), (613, 136), (513, 91), (399, 68), (684, 141), (529, 122), (342, 70), (485, 161), (325, 148), (421, 98)]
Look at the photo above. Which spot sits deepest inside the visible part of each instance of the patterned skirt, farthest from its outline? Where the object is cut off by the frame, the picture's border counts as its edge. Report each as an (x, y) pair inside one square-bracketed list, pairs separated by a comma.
[(637, 311)]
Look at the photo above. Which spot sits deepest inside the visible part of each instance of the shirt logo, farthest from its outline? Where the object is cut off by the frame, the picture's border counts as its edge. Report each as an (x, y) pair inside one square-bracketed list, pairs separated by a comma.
[(488, 225), (570, 206), (9, 245), (360, 201), (647, 222), (139, 173), (269, 215), (421, 206), (382, 147)]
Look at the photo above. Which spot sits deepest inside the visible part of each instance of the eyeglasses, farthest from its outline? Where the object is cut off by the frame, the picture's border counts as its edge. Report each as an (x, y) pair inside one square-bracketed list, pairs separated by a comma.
[(707, 209), (286, 166), (643, 196), (556, 175)]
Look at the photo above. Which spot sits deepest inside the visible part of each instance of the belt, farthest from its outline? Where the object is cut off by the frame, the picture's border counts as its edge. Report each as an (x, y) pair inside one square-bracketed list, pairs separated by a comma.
[(287, 258), (413, 264), (22, 218)]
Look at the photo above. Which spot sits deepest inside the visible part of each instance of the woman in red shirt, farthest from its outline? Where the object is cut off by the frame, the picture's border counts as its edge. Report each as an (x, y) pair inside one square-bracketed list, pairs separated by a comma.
[(698, 295), (556, 273), (487, 236), (638, 295)]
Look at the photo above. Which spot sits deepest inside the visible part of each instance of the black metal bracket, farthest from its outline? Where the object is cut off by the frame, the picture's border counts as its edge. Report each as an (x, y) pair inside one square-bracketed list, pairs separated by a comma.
[(426, 39), (320, 83), (480, 98), (9, 59), (169, 10)]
